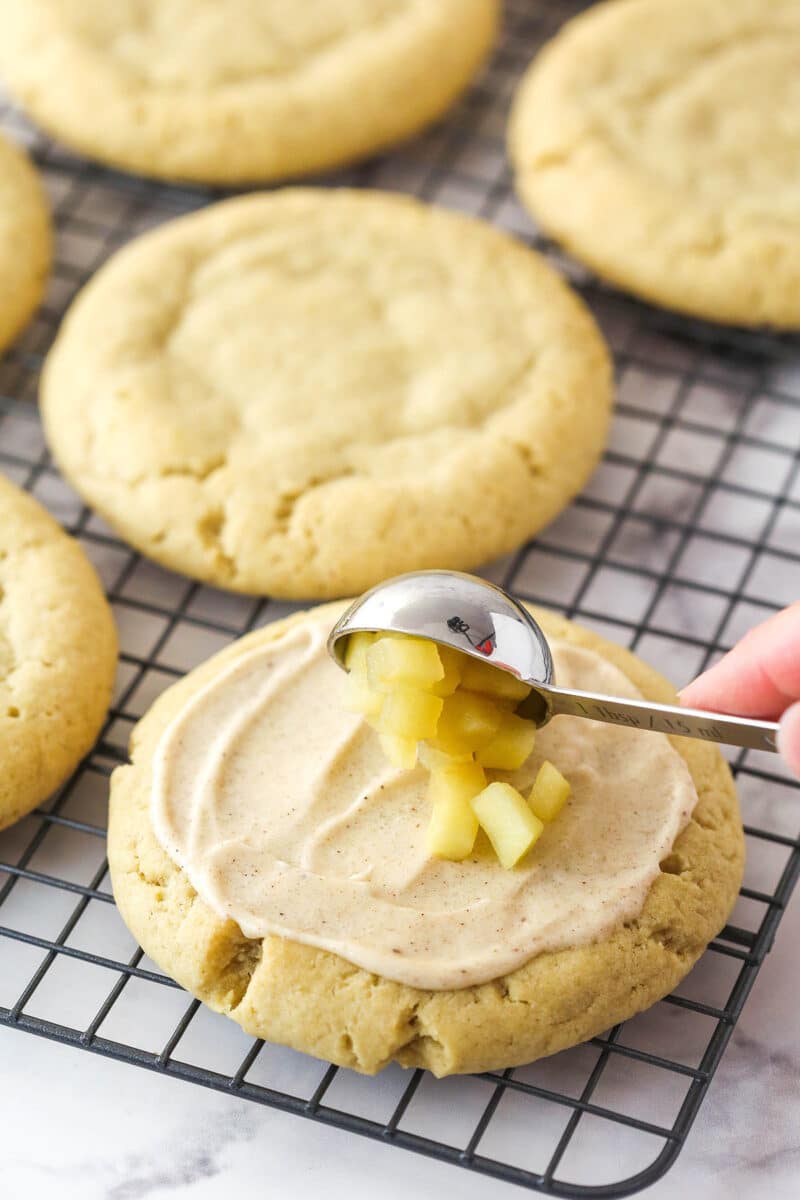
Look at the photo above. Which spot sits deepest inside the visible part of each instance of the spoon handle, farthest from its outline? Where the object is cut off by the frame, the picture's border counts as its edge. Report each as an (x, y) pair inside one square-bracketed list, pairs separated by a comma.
[(662, 718)]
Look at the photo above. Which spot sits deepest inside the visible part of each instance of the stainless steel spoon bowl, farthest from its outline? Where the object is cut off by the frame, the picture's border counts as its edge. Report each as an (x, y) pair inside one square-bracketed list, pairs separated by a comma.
[(482, 620)]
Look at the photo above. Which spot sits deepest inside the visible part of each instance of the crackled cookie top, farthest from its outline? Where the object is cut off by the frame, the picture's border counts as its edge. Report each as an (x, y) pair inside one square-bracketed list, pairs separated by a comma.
[(286, 816), (659, 141), (57, 653), (305, 392), (241, 90), (24, 241)]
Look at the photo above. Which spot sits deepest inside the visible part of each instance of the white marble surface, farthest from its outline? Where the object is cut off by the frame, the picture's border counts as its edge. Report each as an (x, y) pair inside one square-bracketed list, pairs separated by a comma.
[(82, 1127), (709, 513)]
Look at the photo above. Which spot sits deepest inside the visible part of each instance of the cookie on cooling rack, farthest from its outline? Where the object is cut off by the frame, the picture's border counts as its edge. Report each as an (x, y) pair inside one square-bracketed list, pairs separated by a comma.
[(240, 91), (58, 653), (25, 241), (653, 140), (293, 891), (303, 392)]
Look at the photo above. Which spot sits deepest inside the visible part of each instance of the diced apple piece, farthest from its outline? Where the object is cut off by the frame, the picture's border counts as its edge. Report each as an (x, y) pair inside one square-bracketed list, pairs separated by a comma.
[(468, 721), (477, 676), (453, 825), (400, 751), (508, 822), (359, 697), (511, 745), (355, 652), (451, 662), (410, 713), (398, 661), (434, 760), (452, 829), (550, 792), (461, 779)]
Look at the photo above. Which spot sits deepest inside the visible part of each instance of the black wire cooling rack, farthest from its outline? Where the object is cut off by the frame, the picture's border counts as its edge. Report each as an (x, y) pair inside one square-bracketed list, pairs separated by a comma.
[(686, 536)]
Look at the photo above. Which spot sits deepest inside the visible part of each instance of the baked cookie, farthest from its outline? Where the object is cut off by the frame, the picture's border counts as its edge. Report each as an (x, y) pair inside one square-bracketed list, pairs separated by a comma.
[(652, 139), (304, 392), (300, 993), (241, 91), (25, 241), (58, 653)]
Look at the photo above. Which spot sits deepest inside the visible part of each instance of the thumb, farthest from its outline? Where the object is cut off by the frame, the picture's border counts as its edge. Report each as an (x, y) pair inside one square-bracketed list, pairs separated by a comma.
[(789, 737), (759, 677)]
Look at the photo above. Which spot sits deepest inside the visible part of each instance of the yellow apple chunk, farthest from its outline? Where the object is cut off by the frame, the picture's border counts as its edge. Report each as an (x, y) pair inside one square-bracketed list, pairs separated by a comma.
[(459, 779), (433, 759), (358, 695), (400, 751), (451, 662), (398, 661), (360, 698), (467, 722), (453, 825), (511, 745), (355, 652), (477, 676), (550, 792), (508, 822), (410, 713)]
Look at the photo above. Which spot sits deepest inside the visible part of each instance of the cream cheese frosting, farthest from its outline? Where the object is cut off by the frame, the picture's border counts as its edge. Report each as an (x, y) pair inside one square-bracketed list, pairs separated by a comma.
[(284, 813)]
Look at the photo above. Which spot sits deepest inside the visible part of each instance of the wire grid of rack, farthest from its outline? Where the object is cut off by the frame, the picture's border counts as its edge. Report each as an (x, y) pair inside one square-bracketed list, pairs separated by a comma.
[(687, 534)]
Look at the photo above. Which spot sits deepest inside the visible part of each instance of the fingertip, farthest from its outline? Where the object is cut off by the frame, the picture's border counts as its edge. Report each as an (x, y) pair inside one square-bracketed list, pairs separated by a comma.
[(705, 691), (789, 737)]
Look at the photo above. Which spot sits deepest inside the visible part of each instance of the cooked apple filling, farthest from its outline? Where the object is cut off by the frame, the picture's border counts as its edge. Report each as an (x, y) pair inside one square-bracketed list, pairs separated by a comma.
[(454, 715)]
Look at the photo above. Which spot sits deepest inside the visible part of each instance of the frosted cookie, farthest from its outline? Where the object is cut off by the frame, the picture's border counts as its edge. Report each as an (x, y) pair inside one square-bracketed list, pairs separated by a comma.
[(279, 869), (652, 139), (304, 392), (241, 91), (58, 652), (25, 241)]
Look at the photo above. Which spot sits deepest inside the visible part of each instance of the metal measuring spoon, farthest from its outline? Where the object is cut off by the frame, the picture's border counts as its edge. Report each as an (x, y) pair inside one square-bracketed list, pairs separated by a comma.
[(482, 620)]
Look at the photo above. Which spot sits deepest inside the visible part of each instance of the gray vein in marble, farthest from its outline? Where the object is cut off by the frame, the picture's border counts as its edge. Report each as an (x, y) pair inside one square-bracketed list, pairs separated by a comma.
[(189, 1156), (197, 1158)]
